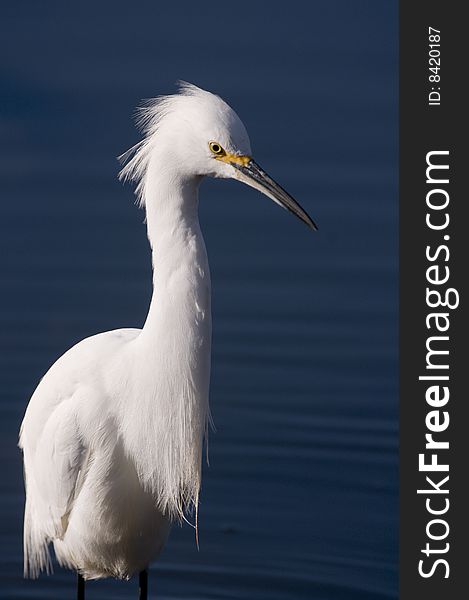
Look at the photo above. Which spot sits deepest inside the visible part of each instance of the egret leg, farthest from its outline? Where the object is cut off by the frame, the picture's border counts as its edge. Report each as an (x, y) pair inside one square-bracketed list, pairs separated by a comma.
[(80, 587), (143, 585)]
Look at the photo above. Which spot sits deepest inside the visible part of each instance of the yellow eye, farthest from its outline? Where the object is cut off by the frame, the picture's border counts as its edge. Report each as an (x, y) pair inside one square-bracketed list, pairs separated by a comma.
[(216, 148)]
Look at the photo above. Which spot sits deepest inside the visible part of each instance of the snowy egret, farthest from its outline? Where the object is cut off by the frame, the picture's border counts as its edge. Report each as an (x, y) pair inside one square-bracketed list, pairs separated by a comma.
[(112, 437)]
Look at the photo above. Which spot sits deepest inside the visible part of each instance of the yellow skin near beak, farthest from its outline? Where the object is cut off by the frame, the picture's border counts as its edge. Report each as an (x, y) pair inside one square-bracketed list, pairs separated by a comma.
[(237, 159)]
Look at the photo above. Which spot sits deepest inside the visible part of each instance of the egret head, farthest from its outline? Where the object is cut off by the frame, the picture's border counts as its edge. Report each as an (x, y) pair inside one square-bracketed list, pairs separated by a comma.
[(197, 133)]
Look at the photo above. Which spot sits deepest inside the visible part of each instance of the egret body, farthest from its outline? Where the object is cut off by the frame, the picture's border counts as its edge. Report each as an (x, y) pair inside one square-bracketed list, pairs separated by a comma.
[(112, 437)]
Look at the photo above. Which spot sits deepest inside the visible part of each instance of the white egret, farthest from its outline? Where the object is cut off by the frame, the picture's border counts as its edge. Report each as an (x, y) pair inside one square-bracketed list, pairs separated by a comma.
[(112, 437)]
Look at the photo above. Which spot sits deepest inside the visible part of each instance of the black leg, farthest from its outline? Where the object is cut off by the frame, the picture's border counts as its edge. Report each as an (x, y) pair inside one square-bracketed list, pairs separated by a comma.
[(80, 587), (143, 585)]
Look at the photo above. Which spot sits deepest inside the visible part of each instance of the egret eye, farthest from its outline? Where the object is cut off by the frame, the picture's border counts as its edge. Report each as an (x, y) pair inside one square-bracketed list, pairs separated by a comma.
[(216, 148)]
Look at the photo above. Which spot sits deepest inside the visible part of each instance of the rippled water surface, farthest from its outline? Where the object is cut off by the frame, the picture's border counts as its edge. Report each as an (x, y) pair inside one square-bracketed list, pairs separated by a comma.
[(300, 499)]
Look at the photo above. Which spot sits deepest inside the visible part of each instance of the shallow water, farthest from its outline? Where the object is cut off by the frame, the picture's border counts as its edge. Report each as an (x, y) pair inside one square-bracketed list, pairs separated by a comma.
[(300, 499)]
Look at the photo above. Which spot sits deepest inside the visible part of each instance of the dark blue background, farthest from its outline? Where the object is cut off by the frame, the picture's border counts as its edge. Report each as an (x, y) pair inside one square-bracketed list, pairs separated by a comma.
[(300, 500)]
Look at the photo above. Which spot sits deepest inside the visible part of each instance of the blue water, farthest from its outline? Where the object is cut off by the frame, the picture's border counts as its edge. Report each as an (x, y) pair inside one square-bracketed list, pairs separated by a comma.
[(300, 499)]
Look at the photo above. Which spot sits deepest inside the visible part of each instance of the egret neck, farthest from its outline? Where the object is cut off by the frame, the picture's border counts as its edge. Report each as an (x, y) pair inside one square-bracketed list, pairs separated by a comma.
[(173, 348)]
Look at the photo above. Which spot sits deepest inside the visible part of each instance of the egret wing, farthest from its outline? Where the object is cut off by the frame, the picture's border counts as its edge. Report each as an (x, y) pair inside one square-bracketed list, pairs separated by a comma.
[(53, 467), (60, 463), (52, 437)]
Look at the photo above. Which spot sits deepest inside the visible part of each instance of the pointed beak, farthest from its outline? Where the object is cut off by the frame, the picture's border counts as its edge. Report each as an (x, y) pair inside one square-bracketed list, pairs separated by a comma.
[(249, 172)]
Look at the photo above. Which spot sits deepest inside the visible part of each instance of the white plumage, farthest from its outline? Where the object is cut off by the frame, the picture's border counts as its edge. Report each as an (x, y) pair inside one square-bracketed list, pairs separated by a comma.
[(113, 435)]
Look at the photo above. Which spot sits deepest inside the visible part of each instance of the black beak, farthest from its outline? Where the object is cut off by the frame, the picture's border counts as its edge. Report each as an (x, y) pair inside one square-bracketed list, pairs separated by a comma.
[(252, 174)]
